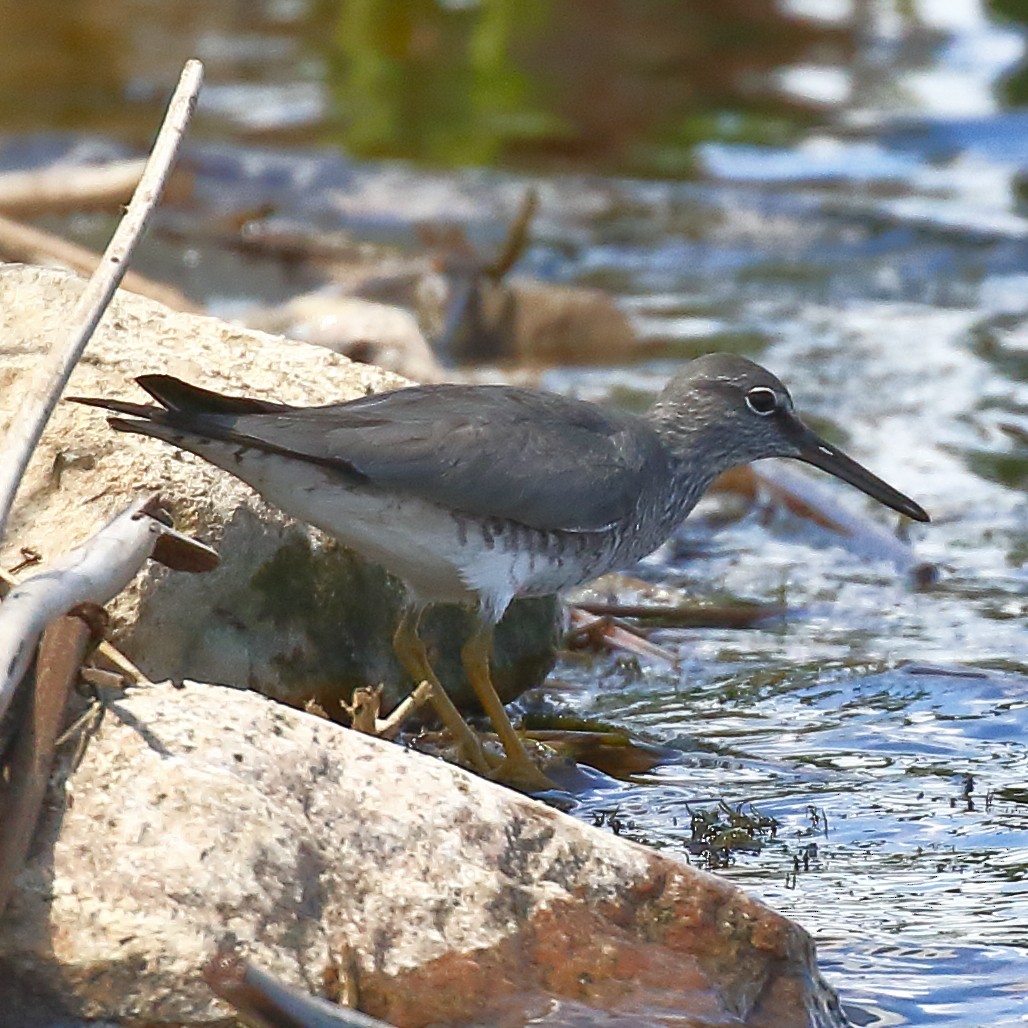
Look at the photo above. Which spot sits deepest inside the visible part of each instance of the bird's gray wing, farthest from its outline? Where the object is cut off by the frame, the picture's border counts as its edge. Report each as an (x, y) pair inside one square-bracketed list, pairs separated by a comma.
[(539, 459)]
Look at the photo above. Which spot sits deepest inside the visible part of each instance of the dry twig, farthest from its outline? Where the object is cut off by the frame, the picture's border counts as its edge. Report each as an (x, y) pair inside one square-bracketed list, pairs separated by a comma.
[(68, 190), (124, 667), (91, 573), (264, 1001), (53, 371), (587, 628), (364, 710), (62, 650)]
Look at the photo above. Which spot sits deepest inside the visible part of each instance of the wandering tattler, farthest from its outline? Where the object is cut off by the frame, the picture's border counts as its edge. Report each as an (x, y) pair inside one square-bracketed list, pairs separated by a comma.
[(478, 494)]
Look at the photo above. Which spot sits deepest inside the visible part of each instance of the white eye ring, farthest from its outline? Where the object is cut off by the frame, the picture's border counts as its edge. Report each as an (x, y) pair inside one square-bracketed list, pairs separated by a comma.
[(762, 400)]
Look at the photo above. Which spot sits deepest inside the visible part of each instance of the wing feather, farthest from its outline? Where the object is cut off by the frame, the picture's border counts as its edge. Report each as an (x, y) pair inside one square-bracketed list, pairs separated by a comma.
[(543, 460)]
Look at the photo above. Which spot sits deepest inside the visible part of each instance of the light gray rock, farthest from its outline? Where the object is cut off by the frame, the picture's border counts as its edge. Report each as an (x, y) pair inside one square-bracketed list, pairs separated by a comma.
[(288, 612), (380, 333), (205, 811)]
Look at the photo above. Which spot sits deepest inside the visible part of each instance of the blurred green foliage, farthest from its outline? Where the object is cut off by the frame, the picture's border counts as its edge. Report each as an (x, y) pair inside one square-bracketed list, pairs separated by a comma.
[(618, 85)]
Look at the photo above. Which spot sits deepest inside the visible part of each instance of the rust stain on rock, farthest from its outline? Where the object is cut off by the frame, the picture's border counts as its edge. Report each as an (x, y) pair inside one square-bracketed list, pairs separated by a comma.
[(671, 945)]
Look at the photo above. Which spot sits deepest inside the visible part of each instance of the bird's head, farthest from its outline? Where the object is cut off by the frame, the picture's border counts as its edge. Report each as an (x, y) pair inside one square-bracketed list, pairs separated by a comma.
[(724, 410)]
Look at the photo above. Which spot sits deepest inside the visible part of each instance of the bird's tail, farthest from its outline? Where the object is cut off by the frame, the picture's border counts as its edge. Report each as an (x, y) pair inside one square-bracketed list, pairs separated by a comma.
[(182, 407), (175, 395)]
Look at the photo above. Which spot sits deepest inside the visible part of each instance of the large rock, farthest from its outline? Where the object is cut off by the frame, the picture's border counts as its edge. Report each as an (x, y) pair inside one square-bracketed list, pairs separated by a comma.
[(288, 612), (202, 812)]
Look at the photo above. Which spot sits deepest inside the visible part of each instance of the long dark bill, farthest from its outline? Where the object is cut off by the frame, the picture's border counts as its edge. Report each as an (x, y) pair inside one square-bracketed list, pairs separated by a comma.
[(814, 450)]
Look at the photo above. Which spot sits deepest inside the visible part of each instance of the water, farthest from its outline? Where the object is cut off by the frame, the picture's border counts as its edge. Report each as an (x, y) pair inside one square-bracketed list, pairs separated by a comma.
[(859, 723), (840, 193)]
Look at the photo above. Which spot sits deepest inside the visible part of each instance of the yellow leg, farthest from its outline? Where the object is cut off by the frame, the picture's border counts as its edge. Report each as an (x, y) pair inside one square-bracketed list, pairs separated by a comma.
[(518, 770), (411, 651)]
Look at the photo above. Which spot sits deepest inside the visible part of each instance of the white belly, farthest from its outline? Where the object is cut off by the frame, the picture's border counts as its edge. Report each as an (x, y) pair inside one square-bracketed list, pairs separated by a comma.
[(443, 557)]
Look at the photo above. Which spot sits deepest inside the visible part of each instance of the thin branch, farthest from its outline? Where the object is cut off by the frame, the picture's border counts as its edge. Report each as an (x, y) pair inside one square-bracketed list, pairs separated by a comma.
[(389, 727), (94, 572), (517, 237), (110, 653), (738, 614), (64, 189), (603, 631), (62, 650), (54, 370), (91, 573), (124, 667), (262, 999)]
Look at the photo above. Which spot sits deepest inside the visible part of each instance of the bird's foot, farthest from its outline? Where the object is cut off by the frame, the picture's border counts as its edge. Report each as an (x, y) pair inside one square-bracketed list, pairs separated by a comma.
[(483, 754), (472, 755), (520, 772), (364, 709)]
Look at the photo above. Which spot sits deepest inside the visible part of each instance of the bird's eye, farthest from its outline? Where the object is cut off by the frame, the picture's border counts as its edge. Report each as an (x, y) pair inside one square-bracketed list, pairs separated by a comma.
[(762, 400)]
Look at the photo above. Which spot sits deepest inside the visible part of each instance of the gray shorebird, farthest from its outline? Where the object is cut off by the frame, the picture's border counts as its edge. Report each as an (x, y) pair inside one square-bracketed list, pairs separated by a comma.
[(478, 494)]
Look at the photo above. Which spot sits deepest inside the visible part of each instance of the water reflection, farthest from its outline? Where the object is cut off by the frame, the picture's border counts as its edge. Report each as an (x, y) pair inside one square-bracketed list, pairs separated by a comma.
[(608, 84), (574, 82), (634, 87)]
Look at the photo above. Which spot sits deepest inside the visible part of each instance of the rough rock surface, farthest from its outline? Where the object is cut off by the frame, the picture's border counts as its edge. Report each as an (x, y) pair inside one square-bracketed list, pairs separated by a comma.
[(204, 811), (288, 612)]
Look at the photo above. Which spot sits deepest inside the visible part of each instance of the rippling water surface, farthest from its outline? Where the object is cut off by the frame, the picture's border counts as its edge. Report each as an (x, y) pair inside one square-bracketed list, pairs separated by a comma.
[(834, 188), (884, 727)]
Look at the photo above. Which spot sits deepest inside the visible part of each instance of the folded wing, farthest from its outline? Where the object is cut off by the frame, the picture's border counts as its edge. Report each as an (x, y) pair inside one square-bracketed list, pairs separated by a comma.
[(542, 460)]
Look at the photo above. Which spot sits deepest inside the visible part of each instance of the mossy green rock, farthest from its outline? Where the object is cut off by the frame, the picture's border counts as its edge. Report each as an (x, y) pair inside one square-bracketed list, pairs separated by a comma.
[(296, 616), (347, 610)]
